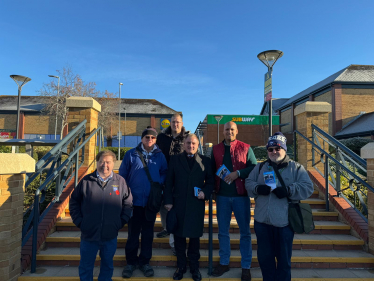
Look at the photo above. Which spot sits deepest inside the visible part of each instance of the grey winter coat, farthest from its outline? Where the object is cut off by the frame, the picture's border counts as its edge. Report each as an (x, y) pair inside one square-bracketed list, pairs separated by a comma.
[(270, 209)]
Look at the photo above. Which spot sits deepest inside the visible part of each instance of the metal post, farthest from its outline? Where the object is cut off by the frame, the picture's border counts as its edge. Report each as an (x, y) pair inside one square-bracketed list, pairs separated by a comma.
[(270, 117), (99, 140), (58, 92), (76, 169), (218, 131), (18, 110), (35, 232), (337, 173), (210, 255), (58, 181), (124, 133), (327, 183), (294, 147), (119, 123)]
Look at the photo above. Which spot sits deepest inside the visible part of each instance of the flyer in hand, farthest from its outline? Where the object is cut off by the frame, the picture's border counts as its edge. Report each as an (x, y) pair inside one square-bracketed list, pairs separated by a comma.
[(222, 172), (269, 178)]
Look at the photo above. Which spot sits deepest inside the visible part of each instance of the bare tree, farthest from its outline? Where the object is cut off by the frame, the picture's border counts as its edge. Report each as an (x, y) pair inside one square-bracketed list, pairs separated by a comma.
[(72, 84)]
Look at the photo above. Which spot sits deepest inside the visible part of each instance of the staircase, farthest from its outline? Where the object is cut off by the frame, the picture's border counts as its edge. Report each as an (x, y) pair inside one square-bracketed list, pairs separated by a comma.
[(330, 252)]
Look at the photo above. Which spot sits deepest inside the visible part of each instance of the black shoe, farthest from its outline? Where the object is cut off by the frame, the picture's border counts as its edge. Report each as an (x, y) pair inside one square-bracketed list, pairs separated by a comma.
[(128, 270), (178, 274), (162, 234), (147, 270), (246, 275), (196, 275), (220, 269)]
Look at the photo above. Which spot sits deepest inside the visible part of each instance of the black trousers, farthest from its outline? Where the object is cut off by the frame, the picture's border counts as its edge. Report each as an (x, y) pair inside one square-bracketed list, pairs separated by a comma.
[(193, 252), (138, 224)]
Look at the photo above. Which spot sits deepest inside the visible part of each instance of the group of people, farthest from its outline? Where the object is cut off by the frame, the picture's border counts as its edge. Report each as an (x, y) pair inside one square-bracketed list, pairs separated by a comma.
[(166, 174)]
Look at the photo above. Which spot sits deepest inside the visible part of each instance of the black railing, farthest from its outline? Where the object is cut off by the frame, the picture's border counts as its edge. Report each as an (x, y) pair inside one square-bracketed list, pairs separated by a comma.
[(339, 163), (59, 172)]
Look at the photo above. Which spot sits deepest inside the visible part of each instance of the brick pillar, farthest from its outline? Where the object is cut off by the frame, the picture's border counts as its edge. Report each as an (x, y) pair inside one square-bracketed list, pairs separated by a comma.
[(12, 185), (367, 152), (81, 108), (308, 113), (337, 112)]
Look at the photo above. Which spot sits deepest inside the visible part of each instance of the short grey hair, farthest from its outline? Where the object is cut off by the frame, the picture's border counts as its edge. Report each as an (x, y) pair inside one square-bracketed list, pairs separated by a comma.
[(192, 136), (105, 153)]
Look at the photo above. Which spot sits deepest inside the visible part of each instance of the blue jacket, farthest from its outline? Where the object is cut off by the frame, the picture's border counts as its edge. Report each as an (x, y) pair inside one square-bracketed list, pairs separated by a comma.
[(133, 172)]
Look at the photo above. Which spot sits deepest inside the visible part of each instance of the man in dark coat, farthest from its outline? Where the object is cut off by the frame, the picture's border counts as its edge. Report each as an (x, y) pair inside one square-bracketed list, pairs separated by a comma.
[(171, 141), (187, 171)]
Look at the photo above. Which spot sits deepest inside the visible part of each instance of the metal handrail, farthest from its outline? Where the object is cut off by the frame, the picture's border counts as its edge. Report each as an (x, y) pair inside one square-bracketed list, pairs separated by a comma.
[(59, 174), (325, 158), (341, 146)]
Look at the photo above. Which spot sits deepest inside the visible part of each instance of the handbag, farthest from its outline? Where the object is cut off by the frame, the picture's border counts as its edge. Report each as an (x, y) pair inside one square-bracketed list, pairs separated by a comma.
[(155, 198), (300, 216)]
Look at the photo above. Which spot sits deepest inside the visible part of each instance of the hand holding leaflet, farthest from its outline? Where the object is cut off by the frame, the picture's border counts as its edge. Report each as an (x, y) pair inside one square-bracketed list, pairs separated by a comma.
[(222, 172), (269, 178)]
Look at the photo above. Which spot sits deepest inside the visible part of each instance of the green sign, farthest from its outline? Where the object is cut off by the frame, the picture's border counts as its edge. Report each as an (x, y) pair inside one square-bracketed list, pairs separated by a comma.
[(244, 119)]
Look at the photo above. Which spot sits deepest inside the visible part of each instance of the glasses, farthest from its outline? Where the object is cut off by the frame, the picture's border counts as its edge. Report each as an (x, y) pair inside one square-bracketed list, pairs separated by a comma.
[(276, 149), (150, 137), (175, 122)]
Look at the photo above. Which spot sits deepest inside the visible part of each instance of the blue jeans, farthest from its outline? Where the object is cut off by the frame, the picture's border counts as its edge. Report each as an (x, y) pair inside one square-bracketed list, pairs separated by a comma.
[(241, 206), (274, 242), (88, 250)]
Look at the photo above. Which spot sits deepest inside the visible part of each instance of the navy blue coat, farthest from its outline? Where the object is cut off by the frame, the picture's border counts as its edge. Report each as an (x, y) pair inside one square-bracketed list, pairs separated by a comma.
[(133, 172)]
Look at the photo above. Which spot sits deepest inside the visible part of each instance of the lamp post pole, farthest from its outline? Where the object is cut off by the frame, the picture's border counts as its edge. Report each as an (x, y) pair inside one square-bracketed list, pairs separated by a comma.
[(20, 81), (218, 118), (58, 93), (269, 58), (119, 123), (125, 131)]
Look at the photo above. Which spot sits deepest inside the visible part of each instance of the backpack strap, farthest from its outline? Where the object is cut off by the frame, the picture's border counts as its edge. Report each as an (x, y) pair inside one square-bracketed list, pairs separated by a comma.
[(144, 165)]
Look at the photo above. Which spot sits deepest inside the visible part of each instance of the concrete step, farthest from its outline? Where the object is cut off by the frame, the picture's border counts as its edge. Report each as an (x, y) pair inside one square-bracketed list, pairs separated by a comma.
[(161, 257), (70, 273), (322, 227), (301, 241)]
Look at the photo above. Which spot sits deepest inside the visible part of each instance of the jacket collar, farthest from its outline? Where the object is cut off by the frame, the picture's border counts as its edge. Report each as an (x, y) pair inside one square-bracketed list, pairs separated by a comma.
[(282, 164), (198, 162), (182, 134)]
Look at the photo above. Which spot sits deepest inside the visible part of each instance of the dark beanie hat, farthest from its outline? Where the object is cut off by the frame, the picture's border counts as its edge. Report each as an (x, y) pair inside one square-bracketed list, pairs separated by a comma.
[(278, 139), (149, 131)]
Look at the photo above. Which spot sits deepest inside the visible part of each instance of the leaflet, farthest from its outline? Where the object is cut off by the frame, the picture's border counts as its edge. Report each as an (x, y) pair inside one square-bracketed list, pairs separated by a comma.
[(222, 172), (269, 178)]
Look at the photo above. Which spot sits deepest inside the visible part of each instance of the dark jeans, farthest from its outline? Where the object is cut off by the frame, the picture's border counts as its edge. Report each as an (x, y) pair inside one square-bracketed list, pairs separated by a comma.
[(88, 251), (139, 224), (274, 242), (193, 252)]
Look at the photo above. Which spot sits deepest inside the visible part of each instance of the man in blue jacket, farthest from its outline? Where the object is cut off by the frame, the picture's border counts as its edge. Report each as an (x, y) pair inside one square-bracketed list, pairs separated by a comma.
[(100, 206), (132, 169)]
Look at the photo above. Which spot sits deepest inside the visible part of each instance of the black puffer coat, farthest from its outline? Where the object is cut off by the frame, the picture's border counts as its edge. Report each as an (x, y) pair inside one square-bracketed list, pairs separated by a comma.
[(169, 145)]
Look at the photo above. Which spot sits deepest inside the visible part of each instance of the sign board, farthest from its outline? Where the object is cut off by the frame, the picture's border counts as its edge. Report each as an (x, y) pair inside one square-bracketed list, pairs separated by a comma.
[(7, 134), (268, 89), (244, 119), (164, 123)]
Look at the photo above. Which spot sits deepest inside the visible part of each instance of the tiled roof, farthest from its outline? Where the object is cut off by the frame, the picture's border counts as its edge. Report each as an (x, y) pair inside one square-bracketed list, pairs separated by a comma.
[(364, 123), (136, 106), (353, 73)]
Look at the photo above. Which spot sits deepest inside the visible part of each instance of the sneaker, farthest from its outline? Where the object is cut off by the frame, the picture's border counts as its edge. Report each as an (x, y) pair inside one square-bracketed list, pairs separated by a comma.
[(178, 274), (174, 251), (147, 270), (220, 269), (196, 275), (162, 234), (246, 274), (128, 270)]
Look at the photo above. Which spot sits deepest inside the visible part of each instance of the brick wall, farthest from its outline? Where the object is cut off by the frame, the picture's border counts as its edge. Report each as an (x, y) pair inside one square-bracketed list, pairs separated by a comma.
[(8, 121), (11, 214), (327, 97), (134, 125), (285, 117), (41, 124), (356, 100)]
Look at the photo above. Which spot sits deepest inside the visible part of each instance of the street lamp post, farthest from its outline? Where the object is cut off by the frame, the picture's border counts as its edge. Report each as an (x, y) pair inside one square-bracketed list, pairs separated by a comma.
[(58, 93), (269, 58), (20, 81), (218, 118), (119, 122), (124, 133)]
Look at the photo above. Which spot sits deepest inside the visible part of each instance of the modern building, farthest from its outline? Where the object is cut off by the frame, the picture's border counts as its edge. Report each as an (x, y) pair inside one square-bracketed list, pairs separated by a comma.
[(253, 129), (350, 91), (136, 115)]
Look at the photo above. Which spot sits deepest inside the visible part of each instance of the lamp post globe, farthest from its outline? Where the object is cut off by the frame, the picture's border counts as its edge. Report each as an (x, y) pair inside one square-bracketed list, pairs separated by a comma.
[(269, 58), (20, 81)]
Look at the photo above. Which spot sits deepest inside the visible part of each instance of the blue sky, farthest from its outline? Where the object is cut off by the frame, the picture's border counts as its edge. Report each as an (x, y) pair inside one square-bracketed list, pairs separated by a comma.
[(198, 57)]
